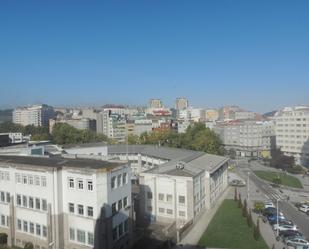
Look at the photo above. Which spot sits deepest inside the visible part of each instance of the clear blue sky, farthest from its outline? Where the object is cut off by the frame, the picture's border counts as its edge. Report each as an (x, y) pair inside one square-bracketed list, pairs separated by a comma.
[(251, 53)]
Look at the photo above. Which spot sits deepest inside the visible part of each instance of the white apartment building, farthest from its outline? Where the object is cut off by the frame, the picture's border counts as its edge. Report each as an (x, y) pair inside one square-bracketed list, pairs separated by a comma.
[(247, 138), (292, 133), (141, 126), (63, 203), (179, 190), (37, 115)]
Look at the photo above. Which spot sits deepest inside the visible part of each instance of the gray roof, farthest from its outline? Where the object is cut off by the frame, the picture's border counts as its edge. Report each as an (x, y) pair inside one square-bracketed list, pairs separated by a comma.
[(155, 151), (57, 162)]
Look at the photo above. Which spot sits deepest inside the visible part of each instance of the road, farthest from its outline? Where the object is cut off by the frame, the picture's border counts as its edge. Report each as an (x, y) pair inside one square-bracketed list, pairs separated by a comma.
[(288, 209)]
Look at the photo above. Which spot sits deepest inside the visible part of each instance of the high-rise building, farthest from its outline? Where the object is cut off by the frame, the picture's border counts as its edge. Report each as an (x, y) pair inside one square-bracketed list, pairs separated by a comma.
[(37, 115), (292, 133), (181, 103), (155, 103)]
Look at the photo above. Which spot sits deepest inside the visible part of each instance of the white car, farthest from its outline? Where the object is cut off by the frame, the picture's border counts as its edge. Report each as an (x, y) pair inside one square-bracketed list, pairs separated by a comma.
[(297, 242), (285, 227), (268, 205), (304, 208)]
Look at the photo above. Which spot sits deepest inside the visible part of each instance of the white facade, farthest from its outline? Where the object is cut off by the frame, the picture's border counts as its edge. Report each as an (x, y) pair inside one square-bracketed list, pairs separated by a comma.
[(292, 133), (248, 138), (68, 206), (37, 115)]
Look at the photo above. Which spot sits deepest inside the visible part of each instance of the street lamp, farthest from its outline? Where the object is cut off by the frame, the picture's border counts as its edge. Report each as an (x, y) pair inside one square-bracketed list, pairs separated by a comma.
[(248, 187), (277, 217)]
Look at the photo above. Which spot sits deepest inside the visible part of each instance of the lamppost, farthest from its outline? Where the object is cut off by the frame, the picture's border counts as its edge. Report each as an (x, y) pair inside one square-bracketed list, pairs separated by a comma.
[(277, 217), (248, 187)]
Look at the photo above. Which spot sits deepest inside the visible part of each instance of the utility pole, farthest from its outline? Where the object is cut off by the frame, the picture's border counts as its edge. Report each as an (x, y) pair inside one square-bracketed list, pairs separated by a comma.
[(277, 217), (248, 187)]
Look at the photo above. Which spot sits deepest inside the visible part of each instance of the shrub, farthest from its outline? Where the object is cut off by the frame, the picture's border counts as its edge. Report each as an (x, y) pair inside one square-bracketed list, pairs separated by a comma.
[(28, 245), (249, 219), (235, 195), (239, 201)]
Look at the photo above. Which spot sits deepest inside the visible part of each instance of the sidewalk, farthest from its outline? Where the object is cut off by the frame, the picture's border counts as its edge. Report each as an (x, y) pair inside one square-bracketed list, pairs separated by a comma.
[(194, 235)]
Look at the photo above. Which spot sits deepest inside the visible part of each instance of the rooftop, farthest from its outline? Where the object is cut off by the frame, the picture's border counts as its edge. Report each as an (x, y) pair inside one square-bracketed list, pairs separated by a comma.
[(58, 162)]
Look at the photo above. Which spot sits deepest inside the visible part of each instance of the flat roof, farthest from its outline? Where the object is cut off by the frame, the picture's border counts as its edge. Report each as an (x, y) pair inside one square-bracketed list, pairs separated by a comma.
[(58, 162)]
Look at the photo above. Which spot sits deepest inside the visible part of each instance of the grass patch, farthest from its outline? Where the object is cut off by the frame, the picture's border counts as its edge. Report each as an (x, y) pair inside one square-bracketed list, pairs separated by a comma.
[(286, 180), (229, 229)]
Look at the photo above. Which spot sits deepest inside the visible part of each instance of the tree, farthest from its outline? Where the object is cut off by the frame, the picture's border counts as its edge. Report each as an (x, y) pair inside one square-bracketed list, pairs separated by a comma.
[(256, 232), (239, 201), (235, 194), (244, 209), (258, 207), (277, 180), (281, 161), (28, 245), (273, 247), (133, 139), (249, 219)]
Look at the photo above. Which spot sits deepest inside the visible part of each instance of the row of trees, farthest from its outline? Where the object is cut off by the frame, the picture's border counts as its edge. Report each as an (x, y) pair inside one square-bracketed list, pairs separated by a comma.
[(196, 137), (62, 133), (247, 214)]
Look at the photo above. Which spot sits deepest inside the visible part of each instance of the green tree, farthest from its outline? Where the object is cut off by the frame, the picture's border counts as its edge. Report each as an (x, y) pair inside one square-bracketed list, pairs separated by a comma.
[(277, 180), (235, 194), (249, 219), (133, 139), (239, 201), (256, 232)]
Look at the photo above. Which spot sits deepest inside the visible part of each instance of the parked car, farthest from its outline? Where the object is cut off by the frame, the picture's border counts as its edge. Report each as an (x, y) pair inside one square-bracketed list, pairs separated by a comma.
[(299, 236), (297, 242), (287, 233), (285, 227), (269, 205), (304, 208), (269, 211)]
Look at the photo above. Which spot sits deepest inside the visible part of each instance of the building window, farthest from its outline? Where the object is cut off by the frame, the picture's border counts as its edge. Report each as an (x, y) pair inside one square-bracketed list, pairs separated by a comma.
[(161, 197), (125, 202), (124, 178), (169, 211), (8, 197), (2, 220), (18, 200), (38, 229), (25, 201), (169, 198), (90, 239), (72, 233), (115, 233), (71, 208), (120, 229), (37, 180), (25, 226), (30, 179), (37, 203), (19, 224), (161, 210), (2, 196), (7, 176), (80, 184), (81, 236), (44, 231), (113, 182), (80, 209), (90, 185), (90, 211), (71, 183), (17, 178), (119, 180), (31, 202), (31, 227), (119, 205), (114, 208), (44, 205), (149, 195), (43, 180), (25, 179), (149, 208), (181, 199), (126, 225)]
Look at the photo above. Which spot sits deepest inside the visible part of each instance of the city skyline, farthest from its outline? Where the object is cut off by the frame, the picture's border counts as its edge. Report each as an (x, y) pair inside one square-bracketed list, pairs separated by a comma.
[(251, 55)]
